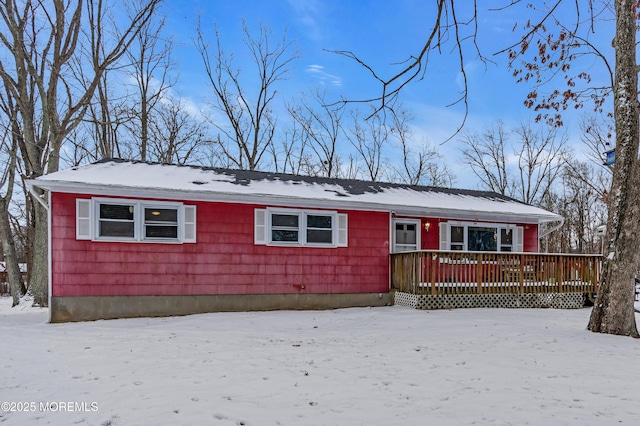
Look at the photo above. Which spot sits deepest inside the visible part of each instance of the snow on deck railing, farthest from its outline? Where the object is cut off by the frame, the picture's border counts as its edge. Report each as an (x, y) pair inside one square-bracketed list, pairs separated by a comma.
[(456, 272)]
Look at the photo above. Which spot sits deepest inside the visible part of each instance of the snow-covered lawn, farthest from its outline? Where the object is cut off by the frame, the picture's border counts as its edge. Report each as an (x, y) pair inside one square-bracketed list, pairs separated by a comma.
[(360, 366)]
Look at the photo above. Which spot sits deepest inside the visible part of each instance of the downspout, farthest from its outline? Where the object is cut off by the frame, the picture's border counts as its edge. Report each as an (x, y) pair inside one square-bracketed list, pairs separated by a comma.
[(555, 228), (39, 199), (392, 215), (549, 231)]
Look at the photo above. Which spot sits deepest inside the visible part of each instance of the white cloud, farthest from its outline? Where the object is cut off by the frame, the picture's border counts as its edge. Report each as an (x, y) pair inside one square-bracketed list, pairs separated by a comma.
[(318, 72), (307, 13)]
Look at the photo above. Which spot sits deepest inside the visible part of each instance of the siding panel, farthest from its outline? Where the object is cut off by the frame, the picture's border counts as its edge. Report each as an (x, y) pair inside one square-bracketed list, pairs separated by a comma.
[(224, 260)]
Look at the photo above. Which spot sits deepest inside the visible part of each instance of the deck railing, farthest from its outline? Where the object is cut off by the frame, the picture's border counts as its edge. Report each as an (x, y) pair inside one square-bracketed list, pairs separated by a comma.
[(457, 272)]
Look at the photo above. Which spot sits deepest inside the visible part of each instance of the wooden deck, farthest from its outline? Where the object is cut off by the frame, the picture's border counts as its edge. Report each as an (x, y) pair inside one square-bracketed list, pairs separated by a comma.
[(457, 272)]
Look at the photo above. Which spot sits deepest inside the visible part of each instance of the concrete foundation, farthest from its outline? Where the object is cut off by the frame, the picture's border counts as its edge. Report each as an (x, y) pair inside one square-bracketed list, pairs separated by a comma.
[(88, 308)]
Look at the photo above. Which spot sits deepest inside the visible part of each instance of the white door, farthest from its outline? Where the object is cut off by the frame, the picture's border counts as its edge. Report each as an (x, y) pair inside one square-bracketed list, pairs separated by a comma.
[(406, 235)]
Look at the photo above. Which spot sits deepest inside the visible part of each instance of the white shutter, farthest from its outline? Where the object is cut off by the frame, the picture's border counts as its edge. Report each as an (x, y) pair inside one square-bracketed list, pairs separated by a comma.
[(343, 230), (519, 239), (83, 219), (189, 225), (444, 236), (260, 226)]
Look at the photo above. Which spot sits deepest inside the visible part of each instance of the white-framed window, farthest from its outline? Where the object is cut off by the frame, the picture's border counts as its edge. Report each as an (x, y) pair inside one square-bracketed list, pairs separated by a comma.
[(473, 236), (115, 219), (406, 235), (294, 227)]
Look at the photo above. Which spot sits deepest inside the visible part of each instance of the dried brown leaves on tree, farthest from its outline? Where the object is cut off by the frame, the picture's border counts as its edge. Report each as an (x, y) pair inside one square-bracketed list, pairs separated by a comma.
[(552, 54)]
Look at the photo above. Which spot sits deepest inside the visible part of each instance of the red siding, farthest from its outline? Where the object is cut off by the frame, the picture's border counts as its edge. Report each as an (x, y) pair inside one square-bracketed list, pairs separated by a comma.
[(531, 238), (431, 238), (224, 260)]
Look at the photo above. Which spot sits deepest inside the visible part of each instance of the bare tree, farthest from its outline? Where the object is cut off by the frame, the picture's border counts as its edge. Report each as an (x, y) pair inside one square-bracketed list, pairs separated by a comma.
[(541, 155), (321, 127), (151, 63), (39, 42), (246, 120), (349, 168), (448, 32), (485, 154), (9, 134), (176, 137), (525, 169), (555, 48), (583, 189), (613, 311), (421, 165), (98, 136), (369, 138), (292, 156), (598, 136)]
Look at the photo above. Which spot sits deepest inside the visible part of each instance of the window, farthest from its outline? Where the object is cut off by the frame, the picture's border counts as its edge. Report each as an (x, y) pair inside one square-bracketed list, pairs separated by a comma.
[(116, 220), (406, 235), (161, 223), (101, 219), (506, 239), (300, 227), (285, 228), (319, 229), (481, 237), (457, 238)]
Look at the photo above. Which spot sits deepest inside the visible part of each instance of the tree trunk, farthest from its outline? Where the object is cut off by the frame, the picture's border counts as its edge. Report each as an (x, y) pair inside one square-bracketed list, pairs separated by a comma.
[(14, 277), (39, 281), (613, 312)]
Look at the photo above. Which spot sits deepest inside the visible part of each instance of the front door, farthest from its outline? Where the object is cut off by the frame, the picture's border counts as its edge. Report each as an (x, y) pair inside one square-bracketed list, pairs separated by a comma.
[(406, 235)]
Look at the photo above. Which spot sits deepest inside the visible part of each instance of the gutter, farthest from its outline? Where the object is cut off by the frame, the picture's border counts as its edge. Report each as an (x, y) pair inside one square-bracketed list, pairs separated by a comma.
[(552, 229), (38, 197), (286, 200)]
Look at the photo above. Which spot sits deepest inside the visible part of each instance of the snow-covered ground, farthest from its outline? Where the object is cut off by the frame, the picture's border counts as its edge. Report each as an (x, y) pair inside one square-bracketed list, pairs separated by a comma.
[(360, 366)]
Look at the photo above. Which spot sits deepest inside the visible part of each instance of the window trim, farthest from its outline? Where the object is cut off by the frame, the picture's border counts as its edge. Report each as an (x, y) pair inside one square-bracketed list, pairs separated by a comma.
[(263, 230), (99, 220), (146, 223), (270, 227), (302, 227), (89, 218), (517, 240), (407, 221)]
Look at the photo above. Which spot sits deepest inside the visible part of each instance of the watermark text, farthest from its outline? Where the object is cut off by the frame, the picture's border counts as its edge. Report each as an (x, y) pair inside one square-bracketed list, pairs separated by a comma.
[(49, 406)]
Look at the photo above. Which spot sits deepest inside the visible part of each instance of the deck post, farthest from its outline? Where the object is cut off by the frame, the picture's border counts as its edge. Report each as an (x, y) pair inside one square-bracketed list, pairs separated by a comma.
[(522, 267), (435, 260), (479, 273)]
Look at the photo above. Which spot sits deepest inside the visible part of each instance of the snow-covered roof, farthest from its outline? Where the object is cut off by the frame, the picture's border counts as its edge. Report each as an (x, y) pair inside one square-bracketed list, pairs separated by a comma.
[(142, 179)]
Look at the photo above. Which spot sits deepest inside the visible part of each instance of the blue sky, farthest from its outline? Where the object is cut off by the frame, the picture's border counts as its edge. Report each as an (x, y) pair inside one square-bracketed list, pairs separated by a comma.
[(381, 33)]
